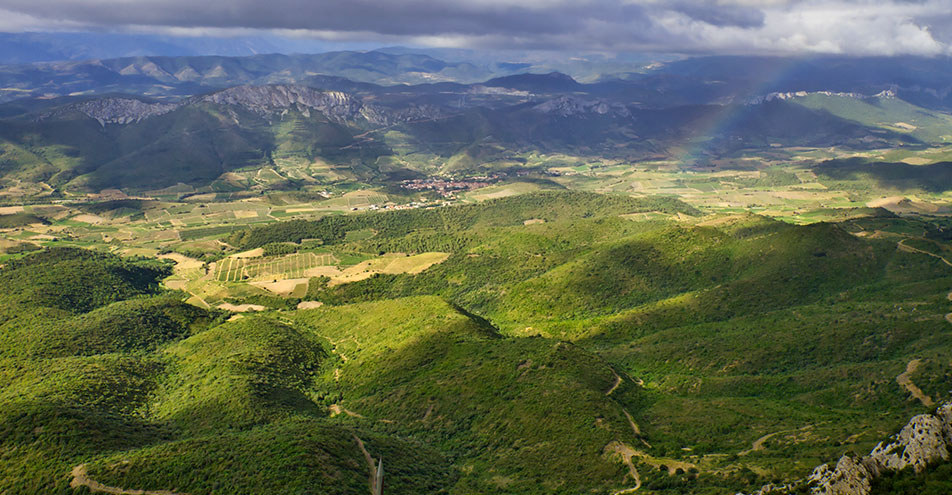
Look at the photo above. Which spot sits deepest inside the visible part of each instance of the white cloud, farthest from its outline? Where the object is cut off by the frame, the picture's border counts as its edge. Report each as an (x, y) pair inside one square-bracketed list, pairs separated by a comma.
[(12, 21)]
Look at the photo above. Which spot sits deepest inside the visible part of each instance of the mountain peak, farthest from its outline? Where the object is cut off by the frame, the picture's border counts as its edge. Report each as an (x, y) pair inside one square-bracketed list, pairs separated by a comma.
[(568, 106), (338, 106), (115, 110)]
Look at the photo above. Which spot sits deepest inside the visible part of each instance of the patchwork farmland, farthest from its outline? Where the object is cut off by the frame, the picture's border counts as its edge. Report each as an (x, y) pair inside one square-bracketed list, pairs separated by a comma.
[(271, 268)]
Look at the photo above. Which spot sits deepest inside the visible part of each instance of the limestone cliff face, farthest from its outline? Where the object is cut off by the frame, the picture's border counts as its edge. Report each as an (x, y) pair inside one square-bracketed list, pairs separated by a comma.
[(269, 101), (887, 93), (337, 106), (927, 438), (117, 110), (569, 106), (273, 99)]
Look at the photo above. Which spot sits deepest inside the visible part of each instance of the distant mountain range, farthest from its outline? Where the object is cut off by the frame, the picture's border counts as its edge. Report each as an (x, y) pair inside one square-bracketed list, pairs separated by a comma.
[(29, 47), (705, 80), (177, 76), (138, 144), (145, 123)]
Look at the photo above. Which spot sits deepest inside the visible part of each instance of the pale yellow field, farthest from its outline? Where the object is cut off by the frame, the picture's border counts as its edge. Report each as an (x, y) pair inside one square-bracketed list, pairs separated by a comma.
[(415, 264), (323, 271), (182, 262), (891, 200), (203, 197), (186, 269), (714, 222), (309, 304), (392, 264), (807, 195), (87, 218), (284, 287), (254, 253), (241, 308)]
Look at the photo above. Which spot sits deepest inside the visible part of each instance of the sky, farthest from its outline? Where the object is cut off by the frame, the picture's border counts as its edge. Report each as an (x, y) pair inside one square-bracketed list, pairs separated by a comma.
[(845, 27)]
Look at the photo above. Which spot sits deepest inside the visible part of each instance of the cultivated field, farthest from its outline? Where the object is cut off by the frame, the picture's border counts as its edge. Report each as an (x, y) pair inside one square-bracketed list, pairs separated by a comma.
[(233, 269)]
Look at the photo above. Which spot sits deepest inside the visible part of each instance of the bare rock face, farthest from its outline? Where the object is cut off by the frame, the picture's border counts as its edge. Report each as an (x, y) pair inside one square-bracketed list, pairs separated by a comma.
[(849, 477), (888, 93), (337, 106), (412, 113), (269, 100), (568, 106), (924, 440), (927, 438), (116, 110)]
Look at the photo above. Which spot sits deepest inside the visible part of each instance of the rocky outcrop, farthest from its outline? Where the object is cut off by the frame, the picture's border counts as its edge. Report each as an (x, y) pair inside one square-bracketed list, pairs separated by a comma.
[(886, 93), (115, 110), (927, 438), (849, 476), (412, 113), (270, 100), (274, 99), (568, 106), (337, 106)]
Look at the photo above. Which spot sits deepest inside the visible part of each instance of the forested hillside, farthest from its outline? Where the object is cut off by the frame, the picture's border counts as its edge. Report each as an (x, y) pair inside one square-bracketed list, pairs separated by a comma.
[(562, 342)]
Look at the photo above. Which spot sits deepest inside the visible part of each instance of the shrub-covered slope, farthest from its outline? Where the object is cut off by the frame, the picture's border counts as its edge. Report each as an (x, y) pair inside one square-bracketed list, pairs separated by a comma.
[(145, 392), (580, 351)]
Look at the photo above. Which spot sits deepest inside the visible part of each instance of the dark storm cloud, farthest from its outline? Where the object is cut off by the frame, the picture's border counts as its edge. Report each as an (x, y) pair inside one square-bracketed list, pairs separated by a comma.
[(720, 15), (833, 26), (415, 17)]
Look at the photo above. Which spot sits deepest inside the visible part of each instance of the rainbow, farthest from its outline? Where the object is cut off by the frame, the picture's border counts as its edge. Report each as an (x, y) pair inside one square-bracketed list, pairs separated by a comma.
[(722, 120)]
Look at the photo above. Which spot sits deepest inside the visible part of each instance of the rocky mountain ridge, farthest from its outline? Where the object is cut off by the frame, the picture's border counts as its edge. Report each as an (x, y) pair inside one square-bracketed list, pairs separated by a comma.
[(337, 106), (926, 439), (114, 110), (569, 106), (267, 101), (788, 95)]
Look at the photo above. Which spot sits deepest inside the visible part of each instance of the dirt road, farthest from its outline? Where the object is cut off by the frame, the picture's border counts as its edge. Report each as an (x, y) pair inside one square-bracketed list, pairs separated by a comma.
[(80, 478)]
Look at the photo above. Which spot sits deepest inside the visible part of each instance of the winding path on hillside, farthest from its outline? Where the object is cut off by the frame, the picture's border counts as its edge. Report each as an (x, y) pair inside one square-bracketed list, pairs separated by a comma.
[(759, 443), (634, 428), (909, 248), (337, 409), (626, 454), (370, 463), (81, 478), (617, 381), (631, 422), (183, 264), (200, 299), (905, 247), (905, 381)]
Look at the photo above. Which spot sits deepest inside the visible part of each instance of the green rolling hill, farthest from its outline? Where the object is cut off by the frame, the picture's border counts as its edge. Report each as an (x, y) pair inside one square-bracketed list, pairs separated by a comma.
[(583, 351)]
